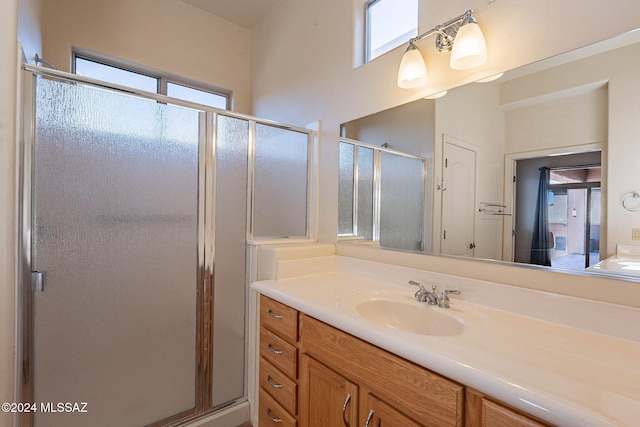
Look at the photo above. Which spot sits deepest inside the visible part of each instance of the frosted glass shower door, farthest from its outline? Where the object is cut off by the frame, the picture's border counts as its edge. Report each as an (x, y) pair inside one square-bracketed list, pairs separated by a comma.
[(116, 232), (402, 193)]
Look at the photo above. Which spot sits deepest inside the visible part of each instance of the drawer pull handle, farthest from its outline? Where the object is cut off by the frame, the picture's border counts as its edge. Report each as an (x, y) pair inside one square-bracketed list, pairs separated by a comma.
[(369, 418), (344, 410), (272, 384), (273, 350), (275, 420), (277, 316)]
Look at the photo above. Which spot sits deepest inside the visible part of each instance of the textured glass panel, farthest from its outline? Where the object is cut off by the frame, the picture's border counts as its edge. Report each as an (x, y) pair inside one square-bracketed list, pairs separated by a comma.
[(401, 202), (365, 193), (115, 231), (280, 191), (345, 189), (229, 279)]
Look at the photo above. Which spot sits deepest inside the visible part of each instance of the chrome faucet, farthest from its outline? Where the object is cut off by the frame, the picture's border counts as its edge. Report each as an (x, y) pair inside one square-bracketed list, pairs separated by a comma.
[(431, 297), (443, 301), (422, 295)]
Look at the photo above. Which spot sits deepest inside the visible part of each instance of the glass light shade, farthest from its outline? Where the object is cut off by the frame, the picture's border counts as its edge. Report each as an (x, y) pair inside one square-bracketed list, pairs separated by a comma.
[(413, 71), (469, 48)]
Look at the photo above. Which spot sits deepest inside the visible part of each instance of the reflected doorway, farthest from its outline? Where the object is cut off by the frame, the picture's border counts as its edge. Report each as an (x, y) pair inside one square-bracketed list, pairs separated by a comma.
[(574, 208)]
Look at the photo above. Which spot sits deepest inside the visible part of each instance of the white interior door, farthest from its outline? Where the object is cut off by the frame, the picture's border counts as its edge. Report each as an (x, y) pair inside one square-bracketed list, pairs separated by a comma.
[(458, 198)]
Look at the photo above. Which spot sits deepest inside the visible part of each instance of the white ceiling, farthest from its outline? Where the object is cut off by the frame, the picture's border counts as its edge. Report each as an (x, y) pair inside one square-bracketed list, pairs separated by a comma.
[(242, 12)]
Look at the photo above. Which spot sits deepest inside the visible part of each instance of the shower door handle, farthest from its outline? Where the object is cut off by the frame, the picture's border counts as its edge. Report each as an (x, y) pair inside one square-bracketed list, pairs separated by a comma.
[(37, 281)]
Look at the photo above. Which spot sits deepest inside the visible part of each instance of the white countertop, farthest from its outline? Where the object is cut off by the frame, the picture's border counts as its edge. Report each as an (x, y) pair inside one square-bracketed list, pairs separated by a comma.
[(625, 262), (554, 370)]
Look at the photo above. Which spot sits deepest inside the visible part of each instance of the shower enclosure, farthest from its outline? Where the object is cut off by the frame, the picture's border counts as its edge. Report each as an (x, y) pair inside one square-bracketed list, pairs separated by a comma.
[(383, 196), (135, 216)]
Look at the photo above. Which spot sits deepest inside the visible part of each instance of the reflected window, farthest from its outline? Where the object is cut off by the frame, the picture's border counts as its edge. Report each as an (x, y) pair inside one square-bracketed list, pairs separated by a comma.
[(389, 24), (574, 216)]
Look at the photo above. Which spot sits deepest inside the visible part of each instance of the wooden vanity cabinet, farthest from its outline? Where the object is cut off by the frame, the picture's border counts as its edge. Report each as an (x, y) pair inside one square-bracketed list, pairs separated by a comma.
[(377, 412), (398, 391), (314, 375), (483, 411), (278, 374), (326, 397)]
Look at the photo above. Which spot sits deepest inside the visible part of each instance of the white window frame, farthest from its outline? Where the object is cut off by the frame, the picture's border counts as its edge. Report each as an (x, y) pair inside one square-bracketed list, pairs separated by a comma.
[(395, 43), (162, 78)]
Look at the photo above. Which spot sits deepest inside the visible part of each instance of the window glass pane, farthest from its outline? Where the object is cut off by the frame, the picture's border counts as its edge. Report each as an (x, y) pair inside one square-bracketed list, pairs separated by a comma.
[(108, 73), (196, 95), (390, 23)]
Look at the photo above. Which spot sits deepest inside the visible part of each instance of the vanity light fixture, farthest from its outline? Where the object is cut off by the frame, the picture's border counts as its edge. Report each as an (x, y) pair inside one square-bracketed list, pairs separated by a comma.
[(461, 36)]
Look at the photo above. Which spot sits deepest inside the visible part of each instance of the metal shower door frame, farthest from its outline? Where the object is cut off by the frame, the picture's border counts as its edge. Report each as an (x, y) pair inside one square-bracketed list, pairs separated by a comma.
[(206, 233), (206, 230)]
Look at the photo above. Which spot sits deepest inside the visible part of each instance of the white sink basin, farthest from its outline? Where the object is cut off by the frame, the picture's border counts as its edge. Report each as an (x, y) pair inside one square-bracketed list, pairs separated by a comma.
[(410, 316)]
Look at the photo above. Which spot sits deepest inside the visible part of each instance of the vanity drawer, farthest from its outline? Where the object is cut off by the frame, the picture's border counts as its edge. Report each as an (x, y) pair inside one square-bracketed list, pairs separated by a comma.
[(272, 414), (279, 318), (283, 389), (494, 414), (279, 353)]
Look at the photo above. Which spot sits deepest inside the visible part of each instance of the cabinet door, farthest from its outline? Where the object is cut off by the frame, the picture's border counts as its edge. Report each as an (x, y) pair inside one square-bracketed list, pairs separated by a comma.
[(326, 398), (494, 414), (377, 413), (481, 411)]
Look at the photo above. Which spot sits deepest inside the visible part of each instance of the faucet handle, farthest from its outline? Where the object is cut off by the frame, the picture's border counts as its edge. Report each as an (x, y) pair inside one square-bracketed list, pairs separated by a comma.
[(420, 285), (443, 301), (421, 294), (422, 288)]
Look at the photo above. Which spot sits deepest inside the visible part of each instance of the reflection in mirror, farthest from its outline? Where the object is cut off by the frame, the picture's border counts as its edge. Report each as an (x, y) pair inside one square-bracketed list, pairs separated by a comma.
[(573, 209), (382, 196), (574, 114)]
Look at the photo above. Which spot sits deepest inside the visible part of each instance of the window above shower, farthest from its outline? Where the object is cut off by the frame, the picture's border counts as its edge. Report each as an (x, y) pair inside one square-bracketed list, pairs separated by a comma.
[(389, 24), (121, 73)]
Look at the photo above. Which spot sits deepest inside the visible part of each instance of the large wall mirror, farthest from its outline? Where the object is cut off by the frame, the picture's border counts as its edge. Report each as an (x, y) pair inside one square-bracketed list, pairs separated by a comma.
[(544, 159)]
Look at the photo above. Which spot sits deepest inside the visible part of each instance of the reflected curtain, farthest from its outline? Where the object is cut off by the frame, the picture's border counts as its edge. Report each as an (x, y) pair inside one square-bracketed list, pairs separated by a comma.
[(541, 241)]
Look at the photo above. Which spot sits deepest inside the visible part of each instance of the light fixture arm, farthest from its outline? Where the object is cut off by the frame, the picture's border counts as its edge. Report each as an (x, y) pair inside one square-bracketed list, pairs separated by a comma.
[(446, 30)]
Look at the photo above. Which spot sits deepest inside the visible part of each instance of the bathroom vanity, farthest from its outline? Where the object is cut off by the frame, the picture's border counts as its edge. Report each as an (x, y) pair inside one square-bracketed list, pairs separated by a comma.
[(344, 342)]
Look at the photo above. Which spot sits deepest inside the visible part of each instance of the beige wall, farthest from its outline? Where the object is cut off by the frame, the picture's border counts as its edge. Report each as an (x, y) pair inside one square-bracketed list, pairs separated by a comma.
[(166, 35), (8, 67), (29, 32), (408, 128)]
